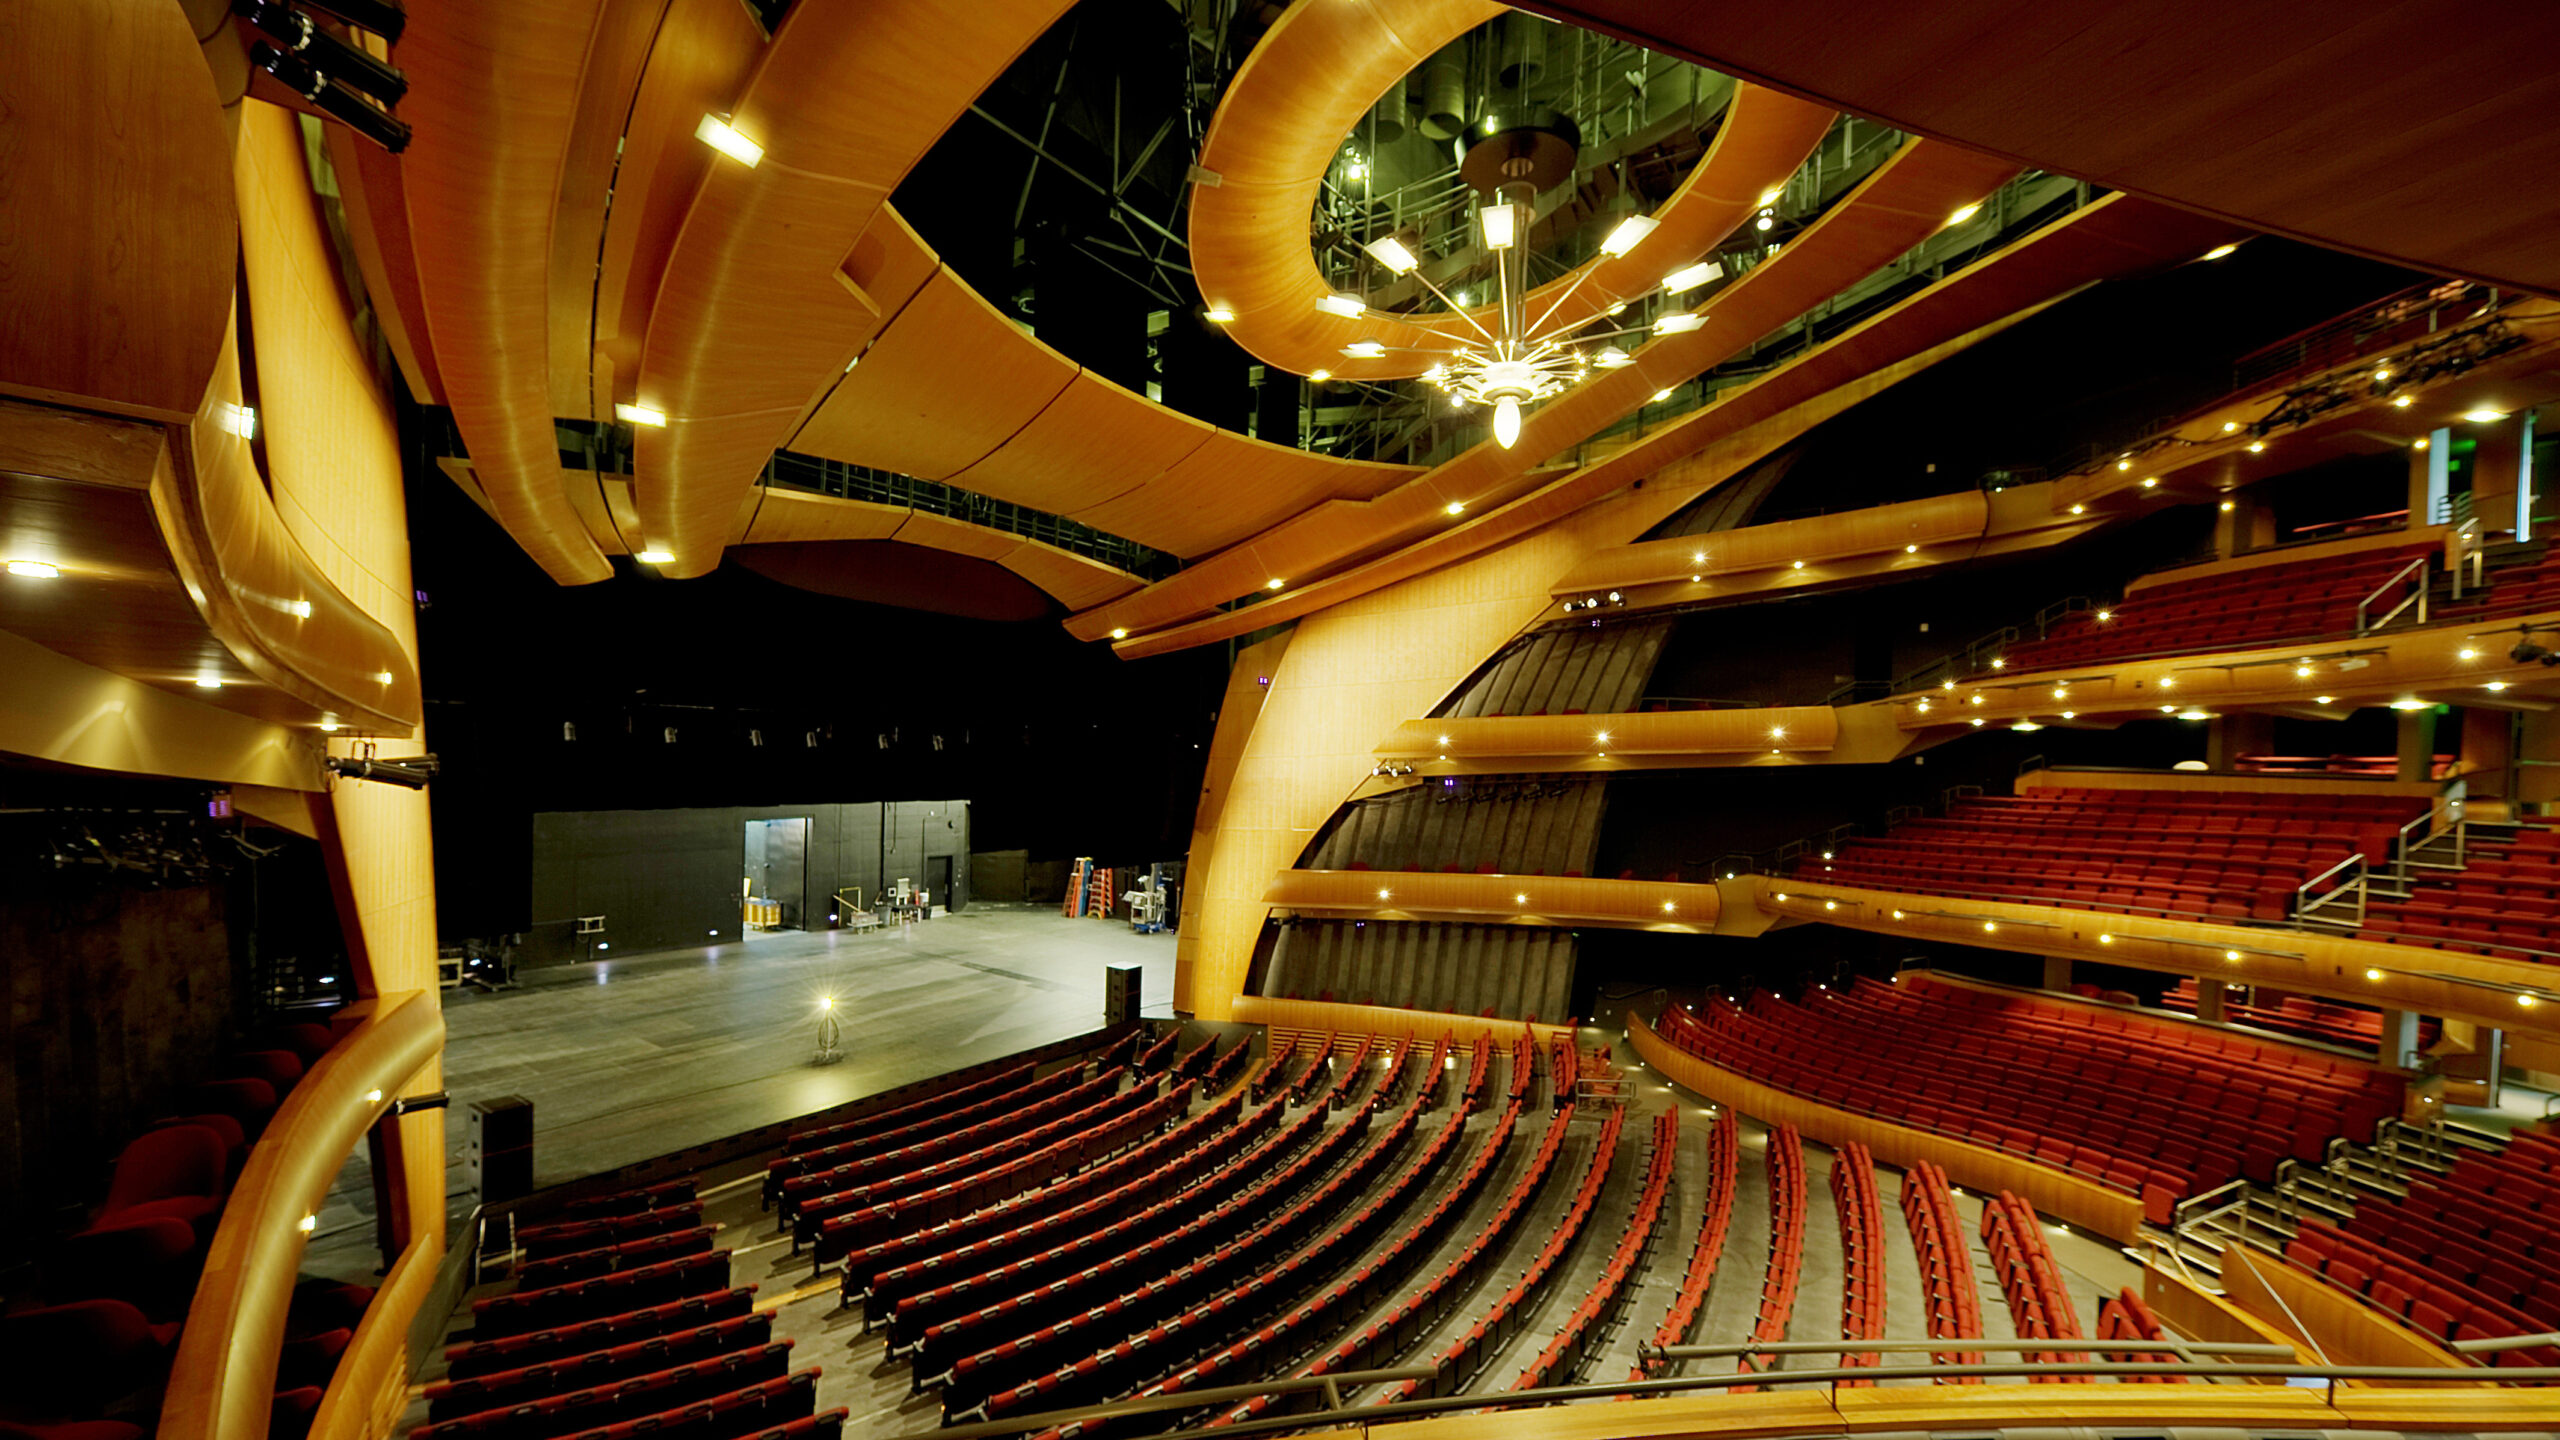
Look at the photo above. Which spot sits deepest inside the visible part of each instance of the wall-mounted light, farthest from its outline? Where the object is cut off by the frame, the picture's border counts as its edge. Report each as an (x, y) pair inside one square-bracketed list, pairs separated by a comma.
[(716, 132)]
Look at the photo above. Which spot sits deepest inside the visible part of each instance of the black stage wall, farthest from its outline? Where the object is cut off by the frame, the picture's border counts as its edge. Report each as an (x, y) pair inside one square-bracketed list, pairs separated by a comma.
[(663, 879)]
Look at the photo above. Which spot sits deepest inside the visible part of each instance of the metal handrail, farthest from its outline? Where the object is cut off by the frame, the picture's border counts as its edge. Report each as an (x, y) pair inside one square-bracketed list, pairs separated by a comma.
[(2405, 849), (2193, 1208), (2265, 1349), (2365, 626), (2303, 904)]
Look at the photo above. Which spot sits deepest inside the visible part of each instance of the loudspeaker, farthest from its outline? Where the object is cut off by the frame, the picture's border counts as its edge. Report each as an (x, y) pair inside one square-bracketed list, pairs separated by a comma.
[(1120, 994), (501, 1154)]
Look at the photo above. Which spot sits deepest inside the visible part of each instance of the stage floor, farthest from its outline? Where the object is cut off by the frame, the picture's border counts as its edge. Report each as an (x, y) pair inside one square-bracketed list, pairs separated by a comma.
[(625, 1059)]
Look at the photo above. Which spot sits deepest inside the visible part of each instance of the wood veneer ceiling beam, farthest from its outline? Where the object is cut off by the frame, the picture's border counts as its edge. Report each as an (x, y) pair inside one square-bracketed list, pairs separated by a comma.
[(1280, 126), (492, 96), (775, 283)]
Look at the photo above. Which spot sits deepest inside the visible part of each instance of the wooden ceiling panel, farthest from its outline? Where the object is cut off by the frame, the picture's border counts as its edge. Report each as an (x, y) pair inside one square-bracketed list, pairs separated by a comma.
[(946, 383), (755, 317), (2395, 130), (492, 96), (118, 241), (791, 515), (588, 172), (1091, 444), (1077, 582), (1234, 486)]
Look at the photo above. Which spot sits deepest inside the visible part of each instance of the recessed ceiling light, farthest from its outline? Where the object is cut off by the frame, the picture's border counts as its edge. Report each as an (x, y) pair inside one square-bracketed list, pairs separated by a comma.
[(208, 682), (2403, 402), (1218, 315), (721, 136), (1273, 584), (1120, 633), (1454, 507), (1661, 395), (1964, 214), (34, 570), (2219, 251), (1319, 376), (654, 557), (2483, 415), (639, 415)]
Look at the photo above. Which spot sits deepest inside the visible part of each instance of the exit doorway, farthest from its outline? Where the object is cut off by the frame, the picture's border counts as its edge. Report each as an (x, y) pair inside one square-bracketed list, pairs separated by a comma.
[(774, 869)]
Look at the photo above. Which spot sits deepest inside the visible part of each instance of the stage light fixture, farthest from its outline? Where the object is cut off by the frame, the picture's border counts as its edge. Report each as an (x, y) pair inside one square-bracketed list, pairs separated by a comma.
[(334, 100), (379, 16), (410, 772), (293, 31)]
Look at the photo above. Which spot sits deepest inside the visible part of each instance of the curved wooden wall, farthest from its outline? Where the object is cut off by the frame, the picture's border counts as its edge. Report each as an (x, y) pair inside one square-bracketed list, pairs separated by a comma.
[(1323, 1015), (493, 90), (2412, 977), (223, 1379), (1664, 905), (1279, 128), (1572, 743), (116, 248), (1878, 530), (768, 294), (2058, 1193)]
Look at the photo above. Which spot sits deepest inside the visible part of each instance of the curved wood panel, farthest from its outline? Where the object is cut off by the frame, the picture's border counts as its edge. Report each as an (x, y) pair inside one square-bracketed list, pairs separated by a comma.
[(58, 709), (2402, 664), (2263, 114), (1274, 1013), (1906, 199), (271, 607), (492, 95), (699, 61), (1663, 905), (2113, 237), (224, 1376), (2058, 1193), (1091, 444), (371, 1384), (1279, 128), (1878, 530), (947, 383), (758, 310), (1575, 743), (117, 245), (373, 197), (2326, 1320), (2412, 977), (1233, 487)]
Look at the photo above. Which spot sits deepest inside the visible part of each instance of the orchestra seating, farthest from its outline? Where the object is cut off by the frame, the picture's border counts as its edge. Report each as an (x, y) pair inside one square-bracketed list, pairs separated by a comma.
[(2232, 610), (1786, 1240), (2224, 854), (2039, 1304), (2474, 1254), (1862, 1307), (1724, 1155), (2154, 1108), (2126, 1316), (2307, 1017), (1952, 1303), (1572, 1339)]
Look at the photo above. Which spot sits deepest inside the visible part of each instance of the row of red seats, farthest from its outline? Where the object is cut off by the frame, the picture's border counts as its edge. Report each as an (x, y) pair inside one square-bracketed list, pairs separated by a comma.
[(1194, 1063), (2038, 1015), (451, 1398), (568, 1237), (1785, 1155), (937, 1329), (2040, 1305), (990, 1346), (2232, 610), (2520, 588), (862, 1266), (606, 1259), (2124, 1316), (2501, 903), (1523, 1066), (2309, 1017), (1005, 1378), (1724, 1157), (784, 1409), (834, 1188), (1056, 1149), (1303, 1088), (1402, 1058), (1246, 1301), (2160, 1161), (483, 1356), (2492, 1223), (1158, 1056), (1563, 1072), (1567, 1350), (790, 1175), (914, 1295), (1391, 1333), (904, 1116), (1954, 1306), (1459, 1361), (618, 1398), (553, 1306), (2435, 1305), (1853, 1193)]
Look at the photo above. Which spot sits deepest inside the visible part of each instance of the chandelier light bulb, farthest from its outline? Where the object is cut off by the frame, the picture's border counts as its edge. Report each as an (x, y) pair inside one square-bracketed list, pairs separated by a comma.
[(1501, 226), (1389, 251), (1506, 421), (1629, 234)]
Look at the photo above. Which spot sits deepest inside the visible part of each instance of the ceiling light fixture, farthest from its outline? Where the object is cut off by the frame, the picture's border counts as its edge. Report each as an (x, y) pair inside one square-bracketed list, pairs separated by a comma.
[(1365, 349), (1690, 277), (1454, 507), (716, 132), (2483, 415), (1679, 324), (2403, 402), (654, 557), (1120, 633), (1319, 376), (2219, 251), (1629, 233), (1218, 315), (1349, 307), (640, 415), (1964, 214), (34, 570)]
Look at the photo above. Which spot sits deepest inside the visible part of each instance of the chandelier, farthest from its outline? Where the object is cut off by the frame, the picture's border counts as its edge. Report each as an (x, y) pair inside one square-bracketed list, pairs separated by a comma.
[(1519, 359)]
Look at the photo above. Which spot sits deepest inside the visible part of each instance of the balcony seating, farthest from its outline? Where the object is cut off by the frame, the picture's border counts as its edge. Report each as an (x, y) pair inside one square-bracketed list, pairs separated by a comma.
[(1724, 1154), (2523, 587), (2124, 1316), (2040, 1305), (2152, 1108), (607, 1259), (2502, 903), (1954, 1306), (486, 1356), (825, 1184), (630, 1202), (62, 1362), (450, 1398), (2217, 854), (2333, 1022), (568, 1237), (622, 1399), (1786, 1242), (1458, 1362), (2489, 1232), (2234, 610), (1565, 1353), (1862, 1307), (2411, 1289)]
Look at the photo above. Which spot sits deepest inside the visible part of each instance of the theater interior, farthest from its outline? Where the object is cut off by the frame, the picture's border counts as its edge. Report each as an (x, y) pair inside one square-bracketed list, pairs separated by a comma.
[(795, 720)]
